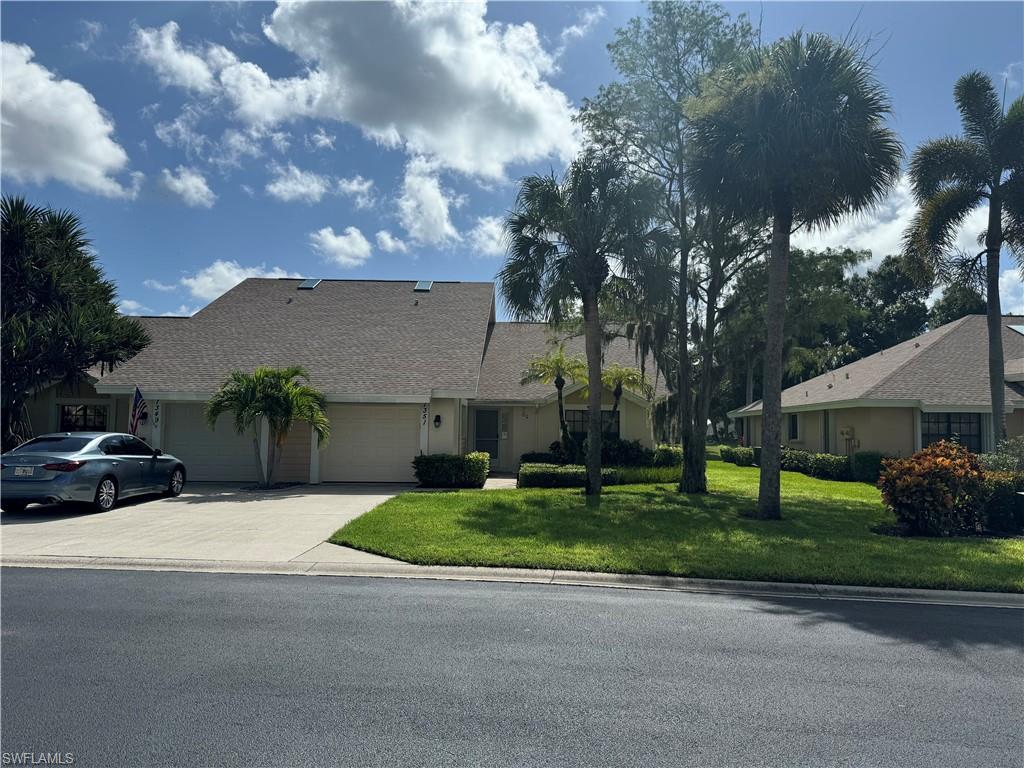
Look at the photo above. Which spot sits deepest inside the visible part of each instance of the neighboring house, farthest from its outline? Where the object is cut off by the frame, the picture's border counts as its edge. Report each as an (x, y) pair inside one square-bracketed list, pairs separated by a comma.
[(407, 368), (898, 400)]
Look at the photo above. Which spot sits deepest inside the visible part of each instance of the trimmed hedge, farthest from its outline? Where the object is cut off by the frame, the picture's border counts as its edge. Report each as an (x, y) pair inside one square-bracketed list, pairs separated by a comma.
[(866, 466), (741, 457), (827, 466), (1002, 506), (1007, 457), (668, 456), (447, 470), (796, 461), (561, 476)]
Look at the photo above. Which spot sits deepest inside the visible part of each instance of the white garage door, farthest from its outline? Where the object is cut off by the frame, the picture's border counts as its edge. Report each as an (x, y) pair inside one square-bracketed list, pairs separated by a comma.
[(220, 454), (371, 443)]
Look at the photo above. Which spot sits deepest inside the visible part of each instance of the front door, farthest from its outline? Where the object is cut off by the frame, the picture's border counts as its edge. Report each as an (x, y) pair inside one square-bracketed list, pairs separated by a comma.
[(487, 433)]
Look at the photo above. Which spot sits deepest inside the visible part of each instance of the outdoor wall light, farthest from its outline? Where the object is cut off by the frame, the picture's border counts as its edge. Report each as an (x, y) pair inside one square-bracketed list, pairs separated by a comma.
[(437, 421)]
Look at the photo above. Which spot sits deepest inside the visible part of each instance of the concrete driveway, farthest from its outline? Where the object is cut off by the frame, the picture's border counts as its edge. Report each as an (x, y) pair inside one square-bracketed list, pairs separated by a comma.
[(207, 522)]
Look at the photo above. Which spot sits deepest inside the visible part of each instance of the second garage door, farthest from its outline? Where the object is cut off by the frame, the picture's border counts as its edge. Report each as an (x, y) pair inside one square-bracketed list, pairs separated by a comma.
[(371, 444)]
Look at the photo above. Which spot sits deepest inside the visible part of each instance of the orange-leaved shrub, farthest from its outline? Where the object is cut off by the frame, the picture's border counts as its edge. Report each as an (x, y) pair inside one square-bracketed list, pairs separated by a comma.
[(936, 491)]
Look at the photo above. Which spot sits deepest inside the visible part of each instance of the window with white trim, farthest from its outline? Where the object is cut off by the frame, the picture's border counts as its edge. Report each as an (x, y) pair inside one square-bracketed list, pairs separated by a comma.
[(965, 428), (83, 418)]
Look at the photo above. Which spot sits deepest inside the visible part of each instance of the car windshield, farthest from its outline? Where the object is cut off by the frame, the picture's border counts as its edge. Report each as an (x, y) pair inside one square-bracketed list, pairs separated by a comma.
[(55, 444)]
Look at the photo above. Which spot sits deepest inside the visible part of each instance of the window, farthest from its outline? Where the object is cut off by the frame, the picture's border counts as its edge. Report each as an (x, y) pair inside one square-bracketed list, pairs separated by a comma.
[(57, 444), (794, 426), (136, 447), (113, 446), (83, 418), (964, 427), (576, 421)]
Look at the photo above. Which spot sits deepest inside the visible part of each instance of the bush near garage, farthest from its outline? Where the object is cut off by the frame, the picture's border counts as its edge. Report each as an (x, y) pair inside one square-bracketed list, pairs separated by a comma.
[(1002, 506), (448, 470), (560, 476), (935, 492)]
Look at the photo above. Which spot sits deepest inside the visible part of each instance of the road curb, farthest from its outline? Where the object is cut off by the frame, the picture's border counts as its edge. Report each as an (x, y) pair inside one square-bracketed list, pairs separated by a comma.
[(532, 576)]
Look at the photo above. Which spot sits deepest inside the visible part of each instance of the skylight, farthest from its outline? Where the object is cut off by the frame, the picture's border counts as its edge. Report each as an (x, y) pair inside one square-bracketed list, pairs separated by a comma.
[(423, 286), (309, 285)]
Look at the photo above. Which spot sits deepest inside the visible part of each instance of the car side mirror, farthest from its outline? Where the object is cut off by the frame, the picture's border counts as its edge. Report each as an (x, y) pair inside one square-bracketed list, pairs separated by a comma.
[(157, 452)]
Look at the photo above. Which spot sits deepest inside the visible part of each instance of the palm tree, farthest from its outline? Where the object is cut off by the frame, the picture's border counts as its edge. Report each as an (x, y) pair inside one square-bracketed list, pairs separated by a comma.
[(953, 176), (554, 368), (796, 132), (563, 240), (621, 377), (279, 396)]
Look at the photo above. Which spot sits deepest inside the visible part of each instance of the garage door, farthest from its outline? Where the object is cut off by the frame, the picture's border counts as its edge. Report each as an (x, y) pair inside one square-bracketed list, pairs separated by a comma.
[(220, 454), (371, 443)]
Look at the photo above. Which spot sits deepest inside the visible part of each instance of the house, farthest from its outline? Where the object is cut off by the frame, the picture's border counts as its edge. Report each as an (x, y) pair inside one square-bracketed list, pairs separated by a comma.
[(406, 368), (931, 387)]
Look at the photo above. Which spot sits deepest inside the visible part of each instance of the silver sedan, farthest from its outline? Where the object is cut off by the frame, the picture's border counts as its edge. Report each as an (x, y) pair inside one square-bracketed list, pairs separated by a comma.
[(97, 468)]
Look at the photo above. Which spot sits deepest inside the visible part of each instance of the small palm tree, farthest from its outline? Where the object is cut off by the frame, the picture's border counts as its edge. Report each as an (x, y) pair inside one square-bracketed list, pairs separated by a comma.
[(554, 368), (279, 396), (797, 132), (953, 176), (619, 377), (563, 240)]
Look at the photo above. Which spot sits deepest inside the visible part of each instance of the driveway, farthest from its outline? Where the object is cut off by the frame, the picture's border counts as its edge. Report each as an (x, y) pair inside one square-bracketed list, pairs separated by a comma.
[(207, 522)]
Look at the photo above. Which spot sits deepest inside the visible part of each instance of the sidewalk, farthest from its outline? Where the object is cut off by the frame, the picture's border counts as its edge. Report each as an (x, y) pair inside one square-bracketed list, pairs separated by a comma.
[(330, 560)]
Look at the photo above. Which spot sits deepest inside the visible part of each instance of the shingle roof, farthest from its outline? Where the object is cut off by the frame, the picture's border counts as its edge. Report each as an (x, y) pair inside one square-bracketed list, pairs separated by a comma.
[(355, 337), (511, 347), (158, 328), (947, 366)]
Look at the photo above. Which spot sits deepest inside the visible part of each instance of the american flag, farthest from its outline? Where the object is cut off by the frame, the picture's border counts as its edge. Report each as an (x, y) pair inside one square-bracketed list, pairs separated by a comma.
[(139, 412)]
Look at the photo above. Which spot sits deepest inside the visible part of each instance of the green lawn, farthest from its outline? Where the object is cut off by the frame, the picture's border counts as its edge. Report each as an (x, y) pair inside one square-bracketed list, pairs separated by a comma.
[(825, 536)]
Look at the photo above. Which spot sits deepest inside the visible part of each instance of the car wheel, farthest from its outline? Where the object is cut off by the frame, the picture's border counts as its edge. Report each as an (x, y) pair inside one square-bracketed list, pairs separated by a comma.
[(106, 495), (176, 483), (13, 506)]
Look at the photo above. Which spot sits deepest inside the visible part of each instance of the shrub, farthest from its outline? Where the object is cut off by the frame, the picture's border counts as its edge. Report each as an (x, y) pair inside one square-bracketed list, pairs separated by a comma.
[(728, 454), (537, 457), (744, 457), (1002, 507), (447, 470), (624, 453), (936, 491), (1007, 457), (828, 466), (796, 461), (866, 466), (669, 456), (560, 476)]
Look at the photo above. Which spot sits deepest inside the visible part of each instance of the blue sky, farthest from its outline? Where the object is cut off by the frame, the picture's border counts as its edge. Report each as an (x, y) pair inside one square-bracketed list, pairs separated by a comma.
[(202, 142)]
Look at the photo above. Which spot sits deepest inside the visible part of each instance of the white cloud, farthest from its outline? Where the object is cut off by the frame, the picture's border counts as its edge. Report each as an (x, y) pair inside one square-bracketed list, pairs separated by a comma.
[(182, 310), (359, 189), (221, 276), (389, 243), (182, 132), (1013, 76), (1011, 292), (881, 229), (423, 205), (91, 30), (190, 185), (436, 79), (156, 285), (173, 63), (587, 19), (53, 129), (234, 145), (350, 249), (320, 139), (487, 238), (291, 184), (131, 307)]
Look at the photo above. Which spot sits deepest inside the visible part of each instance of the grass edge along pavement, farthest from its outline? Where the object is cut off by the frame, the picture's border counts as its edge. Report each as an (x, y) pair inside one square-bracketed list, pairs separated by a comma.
[(827, 535)]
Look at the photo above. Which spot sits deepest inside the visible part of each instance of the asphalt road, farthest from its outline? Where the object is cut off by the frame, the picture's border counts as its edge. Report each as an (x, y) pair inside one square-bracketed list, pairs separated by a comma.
[(153, 669)]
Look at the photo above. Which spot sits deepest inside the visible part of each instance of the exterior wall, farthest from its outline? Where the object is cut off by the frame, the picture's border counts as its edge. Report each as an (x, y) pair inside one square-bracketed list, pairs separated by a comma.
[(445, 438), (44, 407), (1015, 423), (889, 430), (808, 431)]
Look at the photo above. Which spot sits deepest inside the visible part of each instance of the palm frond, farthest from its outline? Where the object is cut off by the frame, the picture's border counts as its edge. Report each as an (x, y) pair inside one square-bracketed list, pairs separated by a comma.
[(978, 103), (944, 162)]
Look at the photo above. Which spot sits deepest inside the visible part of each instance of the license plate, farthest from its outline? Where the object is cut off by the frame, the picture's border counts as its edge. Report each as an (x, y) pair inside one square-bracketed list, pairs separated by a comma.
[(24, 471)]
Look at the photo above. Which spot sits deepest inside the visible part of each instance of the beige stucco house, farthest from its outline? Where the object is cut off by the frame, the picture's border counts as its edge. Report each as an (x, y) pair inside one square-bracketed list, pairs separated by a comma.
[(905, 397), (407, 368)]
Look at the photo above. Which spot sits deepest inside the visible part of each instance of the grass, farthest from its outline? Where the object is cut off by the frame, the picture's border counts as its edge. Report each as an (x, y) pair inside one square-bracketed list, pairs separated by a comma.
[(825, 535)]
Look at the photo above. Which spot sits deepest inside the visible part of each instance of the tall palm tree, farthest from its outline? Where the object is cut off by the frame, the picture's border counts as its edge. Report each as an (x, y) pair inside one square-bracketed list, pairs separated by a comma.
[(797, 133), (555, 367), (564, 238), (953, 176), (280, 397)]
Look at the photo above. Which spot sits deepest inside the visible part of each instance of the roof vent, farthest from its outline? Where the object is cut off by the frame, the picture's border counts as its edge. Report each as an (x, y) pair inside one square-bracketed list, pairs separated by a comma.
[(310, 284), (423, 286)]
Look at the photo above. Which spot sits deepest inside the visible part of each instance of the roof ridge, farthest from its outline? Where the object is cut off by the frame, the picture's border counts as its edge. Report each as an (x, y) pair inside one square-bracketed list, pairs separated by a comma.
[(946, 329)]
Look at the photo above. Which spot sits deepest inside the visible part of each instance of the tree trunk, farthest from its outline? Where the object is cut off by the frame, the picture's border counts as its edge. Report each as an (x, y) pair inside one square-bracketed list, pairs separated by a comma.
[(769, 504), (617, 392), (682, 321), (563, 430), (592, 338), (695, 466), (996, 370), (750, 380), (260, 476), (271, 461)]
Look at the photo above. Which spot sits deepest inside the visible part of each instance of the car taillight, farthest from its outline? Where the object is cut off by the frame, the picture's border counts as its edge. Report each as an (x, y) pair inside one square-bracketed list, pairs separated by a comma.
[(64, 466)]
